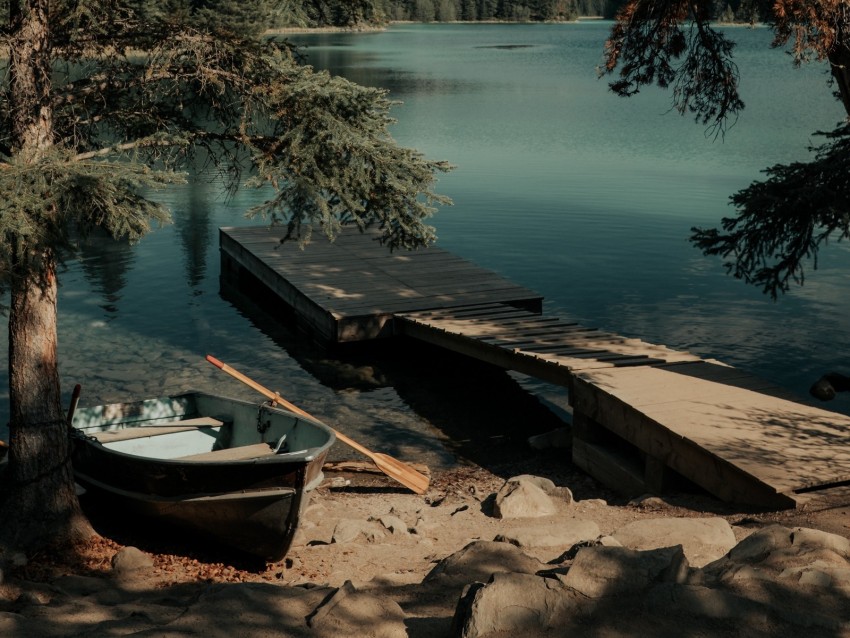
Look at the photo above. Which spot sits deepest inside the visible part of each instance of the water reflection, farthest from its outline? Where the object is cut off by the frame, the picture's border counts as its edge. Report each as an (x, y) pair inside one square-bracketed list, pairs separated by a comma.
[(106, 263), (194, 228)]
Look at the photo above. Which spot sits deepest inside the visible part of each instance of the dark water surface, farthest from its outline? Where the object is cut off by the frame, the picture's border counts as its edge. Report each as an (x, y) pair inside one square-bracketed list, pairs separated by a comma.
[(560, 186), (590, 198)]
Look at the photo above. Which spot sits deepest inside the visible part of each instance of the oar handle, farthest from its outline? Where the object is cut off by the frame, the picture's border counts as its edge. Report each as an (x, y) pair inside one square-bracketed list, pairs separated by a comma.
[(354, 444), (274, 396)]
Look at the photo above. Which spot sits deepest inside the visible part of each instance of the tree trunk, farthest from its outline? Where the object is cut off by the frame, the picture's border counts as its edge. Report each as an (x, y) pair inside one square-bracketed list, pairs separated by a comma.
[(41, 506), (39, 503)]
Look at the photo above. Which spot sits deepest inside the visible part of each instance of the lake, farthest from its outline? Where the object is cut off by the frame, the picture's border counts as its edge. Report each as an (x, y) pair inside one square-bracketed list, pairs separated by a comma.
[(560, 186)]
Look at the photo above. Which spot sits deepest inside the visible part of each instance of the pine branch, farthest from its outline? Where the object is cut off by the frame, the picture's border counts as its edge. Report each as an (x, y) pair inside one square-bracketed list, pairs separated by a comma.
[(783, 222), (129, 146)]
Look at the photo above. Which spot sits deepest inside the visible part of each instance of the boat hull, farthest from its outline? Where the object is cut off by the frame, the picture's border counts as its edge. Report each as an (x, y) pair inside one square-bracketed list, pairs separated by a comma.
[(253, 505)]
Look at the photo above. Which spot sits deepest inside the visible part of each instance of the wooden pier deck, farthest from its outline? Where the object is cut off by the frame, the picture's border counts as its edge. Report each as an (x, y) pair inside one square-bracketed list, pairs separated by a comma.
[(640, 410)]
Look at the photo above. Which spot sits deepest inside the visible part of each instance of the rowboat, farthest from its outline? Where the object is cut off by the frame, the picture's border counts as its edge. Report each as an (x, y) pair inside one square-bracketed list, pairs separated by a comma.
[(234, 471)]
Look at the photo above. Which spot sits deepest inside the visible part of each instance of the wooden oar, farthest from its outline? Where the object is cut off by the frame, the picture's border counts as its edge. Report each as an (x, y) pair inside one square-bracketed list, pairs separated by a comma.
[(393, 468)]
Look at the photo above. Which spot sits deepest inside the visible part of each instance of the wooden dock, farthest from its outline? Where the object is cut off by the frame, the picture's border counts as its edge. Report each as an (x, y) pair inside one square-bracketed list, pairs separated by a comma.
[(642, 413)]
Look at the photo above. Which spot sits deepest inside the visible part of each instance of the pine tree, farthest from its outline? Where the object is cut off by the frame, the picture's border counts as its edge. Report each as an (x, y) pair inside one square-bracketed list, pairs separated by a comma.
[(781, 222), (107, 99)]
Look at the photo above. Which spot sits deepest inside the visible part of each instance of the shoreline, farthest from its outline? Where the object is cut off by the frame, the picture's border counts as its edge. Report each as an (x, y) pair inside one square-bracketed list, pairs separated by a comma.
[(376, 29)]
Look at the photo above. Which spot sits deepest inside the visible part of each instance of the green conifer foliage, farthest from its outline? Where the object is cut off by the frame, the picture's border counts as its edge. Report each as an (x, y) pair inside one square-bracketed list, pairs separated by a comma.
[(781, 223), (105, 101)]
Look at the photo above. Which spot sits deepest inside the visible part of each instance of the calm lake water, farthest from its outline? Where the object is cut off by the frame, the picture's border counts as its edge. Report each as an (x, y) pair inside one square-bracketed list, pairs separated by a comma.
[(560, 186)]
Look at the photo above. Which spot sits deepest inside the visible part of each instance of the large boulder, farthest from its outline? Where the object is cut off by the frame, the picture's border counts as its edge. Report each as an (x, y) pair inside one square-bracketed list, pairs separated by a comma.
[(250, 610), (603, 571), (479, 560), (515, 604), (563, 536), (703, 539)]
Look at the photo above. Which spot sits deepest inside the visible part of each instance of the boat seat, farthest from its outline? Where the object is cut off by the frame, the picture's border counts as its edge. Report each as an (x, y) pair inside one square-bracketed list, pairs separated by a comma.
[(140, 432), (241, 453)]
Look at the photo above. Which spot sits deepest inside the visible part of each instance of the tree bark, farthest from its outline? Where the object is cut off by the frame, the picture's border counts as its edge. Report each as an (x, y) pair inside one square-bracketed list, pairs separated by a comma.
[(39, 504), (40, 507)]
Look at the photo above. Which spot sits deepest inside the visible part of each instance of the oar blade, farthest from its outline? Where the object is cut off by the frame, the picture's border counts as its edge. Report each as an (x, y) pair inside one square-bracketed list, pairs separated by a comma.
[(401, 472)]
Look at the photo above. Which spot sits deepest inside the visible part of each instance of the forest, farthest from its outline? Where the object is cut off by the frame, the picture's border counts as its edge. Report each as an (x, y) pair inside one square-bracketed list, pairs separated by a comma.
[(370, 13)]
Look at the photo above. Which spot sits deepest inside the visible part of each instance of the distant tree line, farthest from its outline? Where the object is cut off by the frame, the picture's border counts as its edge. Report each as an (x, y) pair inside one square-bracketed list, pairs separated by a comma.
[(360, 13), (498, 10), (364, 13)]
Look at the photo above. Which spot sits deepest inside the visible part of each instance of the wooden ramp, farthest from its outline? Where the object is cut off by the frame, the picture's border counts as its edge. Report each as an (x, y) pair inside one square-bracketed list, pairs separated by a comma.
[(642, 413), (735, 435)]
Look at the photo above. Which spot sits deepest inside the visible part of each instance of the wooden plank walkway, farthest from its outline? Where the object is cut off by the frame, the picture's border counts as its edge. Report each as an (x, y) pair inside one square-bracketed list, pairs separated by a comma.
[(532, 343), (738, 436), (642, 413)]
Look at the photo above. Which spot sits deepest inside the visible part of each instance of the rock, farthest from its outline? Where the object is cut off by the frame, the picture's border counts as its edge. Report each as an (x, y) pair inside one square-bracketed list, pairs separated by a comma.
[(695, 601), (315, 510), (479, 560), (395, 579), (648, 502), (423, 525), (529, 496), (336, 482), (819, 575), (130, 562), (14, 625), (805, 538), (758, 545), (248, 610), (329, 603), (799, 575), (515, 604), (592, 503), (565, 535), (559, 438), (608, 541), (348, 530), (547, 485), (572, 552), (703, 539), (612, 571), (33, 597), (394, 524)]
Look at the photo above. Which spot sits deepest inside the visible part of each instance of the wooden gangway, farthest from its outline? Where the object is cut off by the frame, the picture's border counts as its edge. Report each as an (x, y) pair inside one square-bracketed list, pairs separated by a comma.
[(643, 414)]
